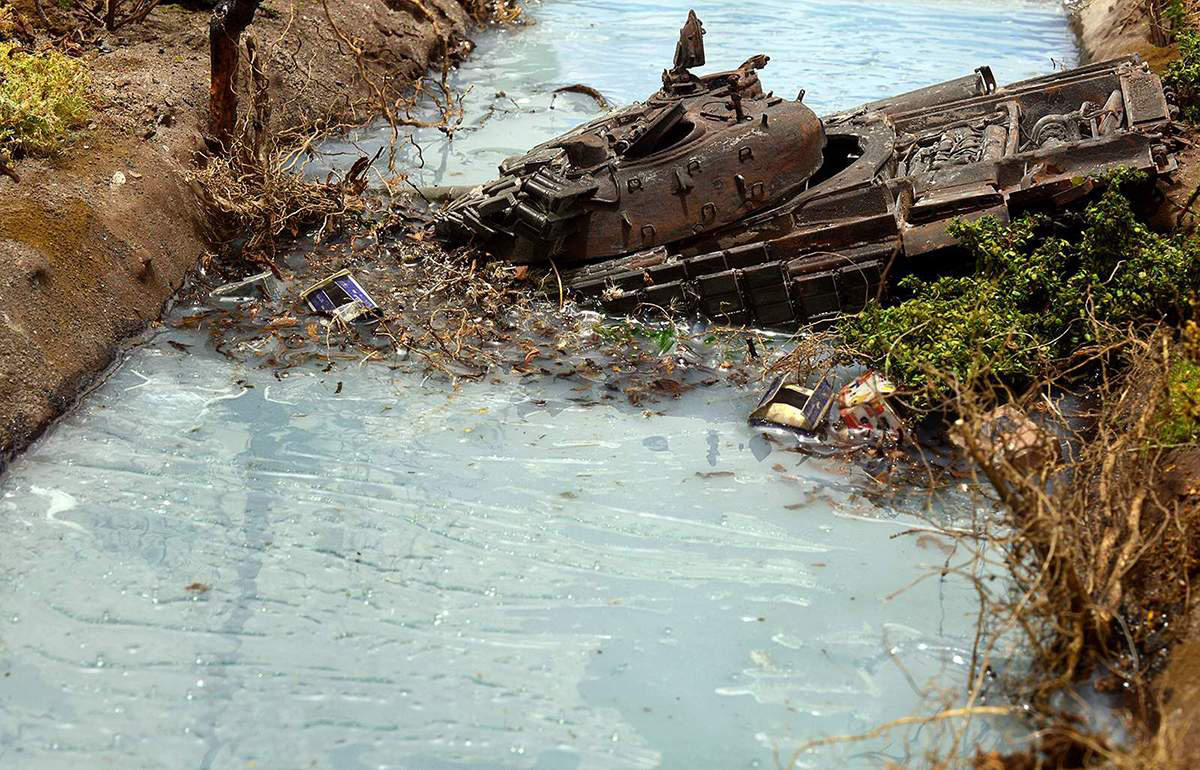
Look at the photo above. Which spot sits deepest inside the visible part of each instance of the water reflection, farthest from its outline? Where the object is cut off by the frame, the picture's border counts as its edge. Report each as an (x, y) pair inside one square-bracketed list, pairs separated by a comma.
[(483, 577)]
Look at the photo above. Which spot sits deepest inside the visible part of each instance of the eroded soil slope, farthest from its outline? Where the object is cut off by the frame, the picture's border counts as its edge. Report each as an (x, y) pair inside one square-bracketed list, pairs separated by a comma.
[(94, 242)]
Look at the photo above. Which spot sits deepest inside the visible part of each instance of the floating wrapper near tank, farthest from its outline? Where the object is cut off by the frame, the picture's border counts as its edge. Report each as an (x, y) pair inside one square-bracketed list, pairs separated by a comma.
[(855, 413), (751, 209)]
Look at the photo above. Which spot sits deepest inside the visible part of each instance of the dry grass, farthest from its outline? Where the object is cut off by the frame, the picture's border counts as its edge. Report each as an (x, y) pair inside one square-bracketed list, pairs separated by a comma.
[(1101, 548), (1100, 543), (1097, 548), (256, 190), (259, 202), (82, 19)]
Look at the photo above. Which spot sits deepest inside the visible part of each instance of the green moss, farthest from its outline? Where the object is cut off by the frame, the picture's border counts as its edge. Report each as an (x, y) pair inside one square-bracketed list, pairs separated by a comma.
[(42, 99), (1036, 285), (1178, 419)]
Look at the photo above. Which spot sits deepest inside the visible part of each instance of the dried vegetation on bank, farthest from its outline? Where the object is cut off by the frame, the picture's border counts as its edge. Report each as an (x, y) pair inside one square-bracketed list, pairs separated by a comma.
[(1087, 326)]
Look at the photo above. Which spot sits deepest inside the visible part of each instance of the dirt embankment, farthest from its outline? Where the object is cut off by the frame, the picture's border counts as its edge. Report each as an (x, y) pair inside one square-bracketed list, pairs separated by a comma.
[(1109, 29), (95, 241)]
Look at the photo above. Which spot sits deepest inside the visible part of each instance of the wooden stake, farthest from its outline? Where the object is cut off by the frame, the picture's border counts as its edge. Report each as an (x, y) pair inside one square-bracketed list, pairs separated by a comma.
[(229, 19)]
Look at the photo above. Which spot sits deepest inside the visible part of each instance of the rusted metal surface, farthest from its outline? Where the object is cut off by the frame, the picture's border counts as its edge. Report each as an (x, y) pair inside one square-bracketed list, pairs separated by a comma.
[(747, 207), (699, 155)]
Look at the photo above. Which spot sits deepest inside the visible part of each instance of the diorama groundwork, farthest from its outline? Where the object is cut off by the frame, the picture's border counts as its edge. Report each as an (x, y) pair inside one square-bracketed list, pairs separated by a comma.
[(115, 190)]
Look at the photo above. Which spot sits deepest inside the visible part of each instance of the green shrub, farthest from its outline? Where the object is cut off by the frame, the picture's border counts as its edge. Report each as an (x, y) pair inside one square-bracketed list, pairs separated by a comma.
[(1183, 75), (1179, 418), (42, 98), (951, 325), (1176, 13), (1031, 298)]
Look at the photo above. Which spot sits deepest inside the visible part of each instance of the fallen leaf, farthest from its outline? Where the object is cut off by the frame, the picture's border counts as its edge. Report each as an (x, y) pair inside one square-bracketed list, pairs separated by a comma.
[(670, 387), (280, 322)]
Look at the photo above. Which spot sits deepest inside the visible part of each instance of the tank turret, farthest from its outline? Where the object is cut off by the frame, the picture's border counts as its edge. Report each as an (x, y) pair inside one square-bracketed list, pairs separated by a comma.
[(698, 155)]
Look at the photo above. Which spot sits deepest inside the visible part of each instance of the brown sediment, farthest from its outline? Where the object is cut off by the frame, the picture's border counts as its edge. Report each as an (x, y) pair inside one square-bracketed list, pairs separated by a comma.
[(1177, 688), (96, 240), (1180, 693)]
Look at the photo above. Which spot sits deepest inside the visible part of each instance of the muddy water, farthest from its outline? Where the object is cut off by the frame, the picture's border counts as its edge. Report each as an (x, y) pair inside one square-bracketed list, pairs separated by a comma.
[(206, 566)]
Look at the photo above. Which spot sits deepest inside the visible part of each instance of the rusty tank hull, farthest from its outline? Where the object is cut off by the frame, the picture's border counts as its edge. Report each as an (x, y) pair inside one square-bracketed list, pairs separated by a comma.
[(768, 216)]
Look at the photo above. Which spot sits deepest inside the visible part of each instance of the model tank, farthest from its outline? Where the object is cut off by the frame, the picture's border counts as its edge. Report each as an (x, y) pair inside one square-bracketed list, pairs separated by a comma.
[(744, 205)]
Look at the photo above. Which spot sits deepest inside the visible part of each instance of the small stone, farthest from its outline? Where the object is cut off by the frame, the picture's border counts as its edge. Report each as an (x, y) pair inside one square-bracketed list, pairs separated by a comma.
[(118, 179)]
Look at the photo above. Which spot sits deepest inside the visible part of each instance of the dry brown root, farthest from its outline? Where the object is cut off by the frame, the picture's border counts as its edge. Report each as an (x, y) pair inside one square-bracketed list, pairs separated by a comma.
[(405, 110), (1100, 546), (260, 197)]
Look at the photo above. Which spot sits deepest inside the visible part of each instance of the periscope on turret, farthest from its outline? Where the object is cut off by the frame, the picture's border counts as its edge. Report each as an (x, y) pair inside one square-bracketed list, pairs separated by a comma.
[(745, 206)]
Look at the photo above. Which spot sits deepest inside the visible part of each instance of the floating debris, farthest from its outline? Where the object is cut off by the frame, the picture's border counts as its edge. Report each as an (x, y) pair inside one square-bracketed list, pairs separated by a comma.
[(793, 406), (864, 408), (1008, 435), (342, 297), (862, 414), (580, 88), (246, 290)]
